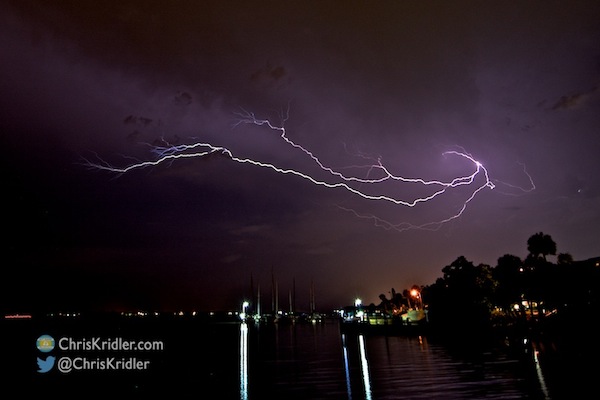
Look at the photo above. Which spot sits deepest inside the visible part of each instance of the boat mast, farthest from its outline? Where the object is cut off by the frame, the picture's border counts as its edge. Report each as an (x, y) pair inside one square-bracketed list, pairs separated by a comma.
[(274, 294), (312, 297), (258, 301)]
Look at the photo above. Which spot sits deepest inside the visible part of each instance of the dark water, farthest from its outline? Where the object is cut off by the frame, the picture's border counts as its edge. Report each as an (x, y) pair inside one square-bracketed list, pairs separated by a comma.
[(230, 360)]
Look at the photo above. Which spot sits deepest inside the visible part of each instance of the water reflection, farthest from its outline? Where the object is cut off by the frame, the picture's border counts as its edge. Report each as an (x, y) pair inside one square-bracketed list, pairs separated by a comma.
[(364, 367), (346, 367), (302, 361), (540, 374), (243, 361)]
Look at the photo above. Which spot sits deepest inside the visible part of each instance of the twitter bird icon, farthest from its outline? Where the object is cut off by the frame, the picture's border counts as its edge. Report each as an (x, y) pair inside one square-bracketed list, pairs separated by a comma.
[(45, 365)]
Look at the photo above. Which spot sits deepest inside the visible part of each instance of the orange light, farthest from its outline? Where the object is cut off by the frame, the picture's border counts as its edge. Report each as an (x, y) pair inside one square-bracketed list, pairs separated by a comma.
[(17, 316)]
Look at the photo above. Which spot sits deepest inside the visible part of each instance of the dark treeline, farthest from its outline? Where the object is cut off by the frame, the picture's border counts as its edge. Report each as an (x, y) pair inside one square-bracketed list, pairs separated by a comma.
[(516, 294)]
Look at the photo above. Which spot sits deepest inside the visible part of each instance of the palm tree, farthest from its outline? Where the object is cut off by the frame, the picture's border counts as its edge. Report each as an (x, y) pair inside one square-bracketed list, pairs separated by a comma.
[(542, 275)]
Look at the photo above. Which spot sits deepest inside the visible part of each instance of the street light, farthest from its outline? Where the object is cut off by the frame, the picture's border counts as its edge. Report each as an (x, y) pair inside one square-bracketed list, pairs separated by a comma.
[(245, 305), (360, 314), (417, 295)]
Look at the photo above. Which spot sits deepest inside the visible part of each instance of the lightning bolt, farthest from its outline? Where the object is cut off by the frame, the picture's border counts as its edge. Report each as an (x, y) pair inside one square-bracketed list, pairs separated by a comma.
[(519, 190), (376, 172)]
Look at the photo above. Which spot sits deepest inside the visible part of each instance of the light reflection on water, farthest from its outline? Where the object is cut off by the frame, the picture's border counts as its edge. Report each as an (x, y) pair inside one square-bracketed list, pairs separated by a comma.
[(364, 364), (243, 361), (364, 367), (540, 374), (413, 368), (318, 362), (310, 362), (346, 367)]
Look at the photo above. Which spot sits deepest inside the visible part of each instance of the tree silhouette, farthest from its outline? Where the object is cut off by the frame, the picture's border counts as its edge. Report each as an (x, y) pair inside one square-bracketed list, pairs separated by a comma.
[(467, 297), (564, 259), (541, 244), (541, 275), (464, 292), (510, 282)]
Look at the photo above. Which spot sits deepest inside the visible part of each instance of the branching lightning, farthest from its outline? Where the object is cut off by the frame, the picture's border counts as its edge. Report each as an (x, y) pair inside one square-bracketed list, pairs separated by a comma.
[(363, 186), (520, 190)]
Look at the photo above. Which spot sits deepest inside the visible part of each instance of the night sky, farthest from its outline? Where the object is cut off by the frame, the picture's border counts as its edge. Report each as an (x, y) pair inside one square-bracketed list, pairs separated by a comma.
[(513, 84)]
